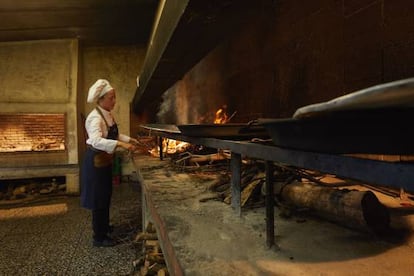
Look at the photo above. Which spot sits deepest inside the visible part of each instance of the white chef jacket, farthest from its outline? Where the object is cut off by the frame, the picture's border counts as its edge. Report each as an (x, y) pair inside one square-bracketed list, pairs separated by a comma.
[(96, 128)]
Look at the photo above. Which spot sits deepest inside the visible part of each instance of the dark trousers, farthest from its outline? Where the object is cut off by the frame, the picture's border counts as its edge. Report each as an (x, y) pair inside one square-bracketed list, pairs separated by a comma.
[(100, 223)]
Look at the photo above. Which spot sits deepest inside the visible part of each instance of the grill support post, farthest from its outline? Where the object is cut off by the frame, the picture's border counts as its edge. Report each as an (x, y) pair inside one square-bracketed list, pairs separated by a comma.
[(236, 182)]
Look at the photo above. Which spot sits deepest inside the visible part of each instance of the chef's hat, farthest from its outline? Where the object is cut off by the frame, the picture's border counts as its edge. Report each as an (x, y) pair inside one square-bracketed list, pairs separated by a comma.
[(98, 89)]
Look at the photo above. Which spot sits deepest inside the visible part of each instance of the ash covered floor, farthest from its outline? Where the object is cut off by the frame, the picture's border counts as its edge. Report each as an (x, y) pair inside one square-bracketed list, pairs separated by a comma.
[(208, 238), (53, 236)]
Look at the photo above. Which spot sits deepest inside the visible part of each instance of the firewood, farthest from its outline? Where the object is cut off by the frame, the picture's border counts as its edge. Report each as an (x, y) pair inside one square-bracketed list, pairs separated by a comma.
[(360, 210), (145, 236), (150, 228), (208, 158), (19, 190), (210, 197), (227, 199), (144, 269), (223, 188), (225, 194), (138, 262), (162, 272), (154, 268), (221, 180), (248, 175), (156, 258), (150, 244), (254, 181), (246, 193)]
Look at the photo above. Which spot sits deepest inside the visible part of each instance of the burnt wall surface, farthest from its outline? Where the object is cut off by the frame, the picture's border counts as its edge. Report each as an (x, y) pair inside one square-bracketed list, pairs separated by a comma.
[(294, 53)]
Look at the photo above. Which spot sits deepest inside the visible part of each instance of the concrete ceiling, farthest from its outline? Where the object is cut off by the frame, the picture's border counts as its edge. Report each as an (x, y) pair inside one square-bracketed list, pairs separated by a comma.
[(93, 22)]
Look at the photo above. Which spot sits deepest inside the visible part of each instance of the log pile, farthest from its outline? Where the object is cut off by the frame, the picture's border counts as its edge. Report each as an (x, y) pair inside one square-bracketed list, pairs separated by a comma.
[(20, 191), (152, 262), (355, 209), (252, 179), (296, 190)]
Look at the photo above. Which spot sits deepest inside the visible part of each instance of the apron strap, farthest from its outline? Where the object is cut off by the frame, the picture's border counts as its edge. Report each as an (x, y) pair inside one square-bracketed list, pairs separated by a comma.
[(103, 117)]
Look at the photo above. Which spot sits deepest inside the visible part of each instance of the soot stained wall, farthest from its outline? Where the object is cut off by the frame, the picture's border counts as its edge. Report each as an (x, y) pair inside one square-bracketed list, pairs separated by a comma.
[(295, 53)]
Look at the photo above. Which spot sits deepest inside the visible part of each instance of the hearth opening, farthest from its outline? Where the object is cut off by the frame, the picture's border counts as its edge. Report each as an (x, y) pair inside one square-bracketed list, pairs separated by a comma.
[(32, 132)]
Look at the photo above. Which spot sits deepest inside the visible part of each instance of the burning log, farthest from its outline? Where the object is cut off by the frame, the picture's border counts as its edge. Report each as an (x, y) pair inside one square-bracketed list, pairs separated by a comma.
[(359, 210)]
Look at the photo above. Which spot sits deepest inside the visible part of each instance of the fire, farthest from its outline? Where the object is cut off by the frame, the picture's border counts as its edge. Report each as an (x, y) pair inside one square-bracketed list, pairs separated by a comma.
[(221, 116), (170, 146)]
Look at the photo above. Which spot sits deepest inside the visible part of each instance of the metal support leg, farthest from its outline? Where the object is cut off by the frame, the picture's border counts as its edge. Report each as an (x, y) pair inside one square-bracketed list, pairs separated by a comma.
[(269, 200), (160, 139), (235, 182)]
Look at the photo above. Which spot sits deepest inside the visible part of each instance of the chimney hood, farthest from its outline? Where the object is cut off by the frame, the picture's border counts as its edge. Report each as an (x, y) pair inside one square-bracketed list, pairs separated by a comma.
[(184, 32)]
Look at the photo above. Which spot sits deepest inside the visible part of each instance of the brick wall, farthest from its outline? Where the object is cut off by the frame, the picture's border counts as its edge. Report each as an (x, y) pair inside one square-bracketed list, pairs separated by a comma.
[(32, 132)]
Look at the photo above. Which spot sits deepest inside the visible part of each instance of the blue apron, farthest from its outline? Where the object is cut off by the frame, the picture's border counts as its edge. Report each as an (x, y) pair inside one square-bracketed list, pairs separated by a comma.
[(96, 174)]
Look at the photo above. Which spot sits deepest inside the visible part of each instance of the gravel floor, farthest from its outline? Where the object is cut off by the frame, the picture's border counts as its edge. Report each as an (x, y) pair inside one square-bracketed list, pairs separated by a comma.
[(53, 236)]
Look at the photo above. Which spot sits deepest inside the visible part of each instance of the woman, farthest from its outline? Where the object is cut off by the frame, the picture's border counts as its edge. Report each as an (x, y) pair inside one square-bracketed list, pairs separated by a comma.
[(103, 139)]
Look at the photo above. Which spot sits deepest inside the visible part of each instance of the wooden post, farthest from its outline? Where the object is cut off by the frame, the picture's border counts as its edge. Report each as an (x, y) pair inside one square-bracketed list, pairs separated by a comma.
[(235, 164)]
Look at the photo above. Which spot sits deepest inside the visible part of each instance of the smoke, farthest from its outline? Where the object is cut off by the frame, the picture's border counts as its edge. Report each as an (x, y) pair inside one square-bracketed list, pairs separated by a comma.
[(188, 105), (179, 106), (167, 108)]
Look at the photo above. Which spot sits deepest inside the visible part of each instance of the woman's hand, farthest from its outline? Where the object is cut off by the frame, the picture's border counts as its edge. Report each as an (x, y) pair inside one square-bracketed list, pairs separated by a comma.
[(134, 141), (127, 146)]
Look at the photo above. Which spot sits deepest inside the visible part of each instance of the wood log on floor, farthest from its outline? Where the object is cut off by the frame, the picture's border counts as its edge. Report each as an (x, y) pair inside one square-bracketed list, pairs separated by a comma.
[(207, 158), (248, 190), (222, 179), (359, 210), (250, 180)]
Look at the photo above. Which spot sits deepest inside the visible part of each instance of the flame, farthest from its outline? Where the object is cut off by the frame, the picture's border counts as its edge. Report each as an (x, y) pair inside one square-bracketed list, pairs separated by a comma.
[(170, 146), (221, 116)]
